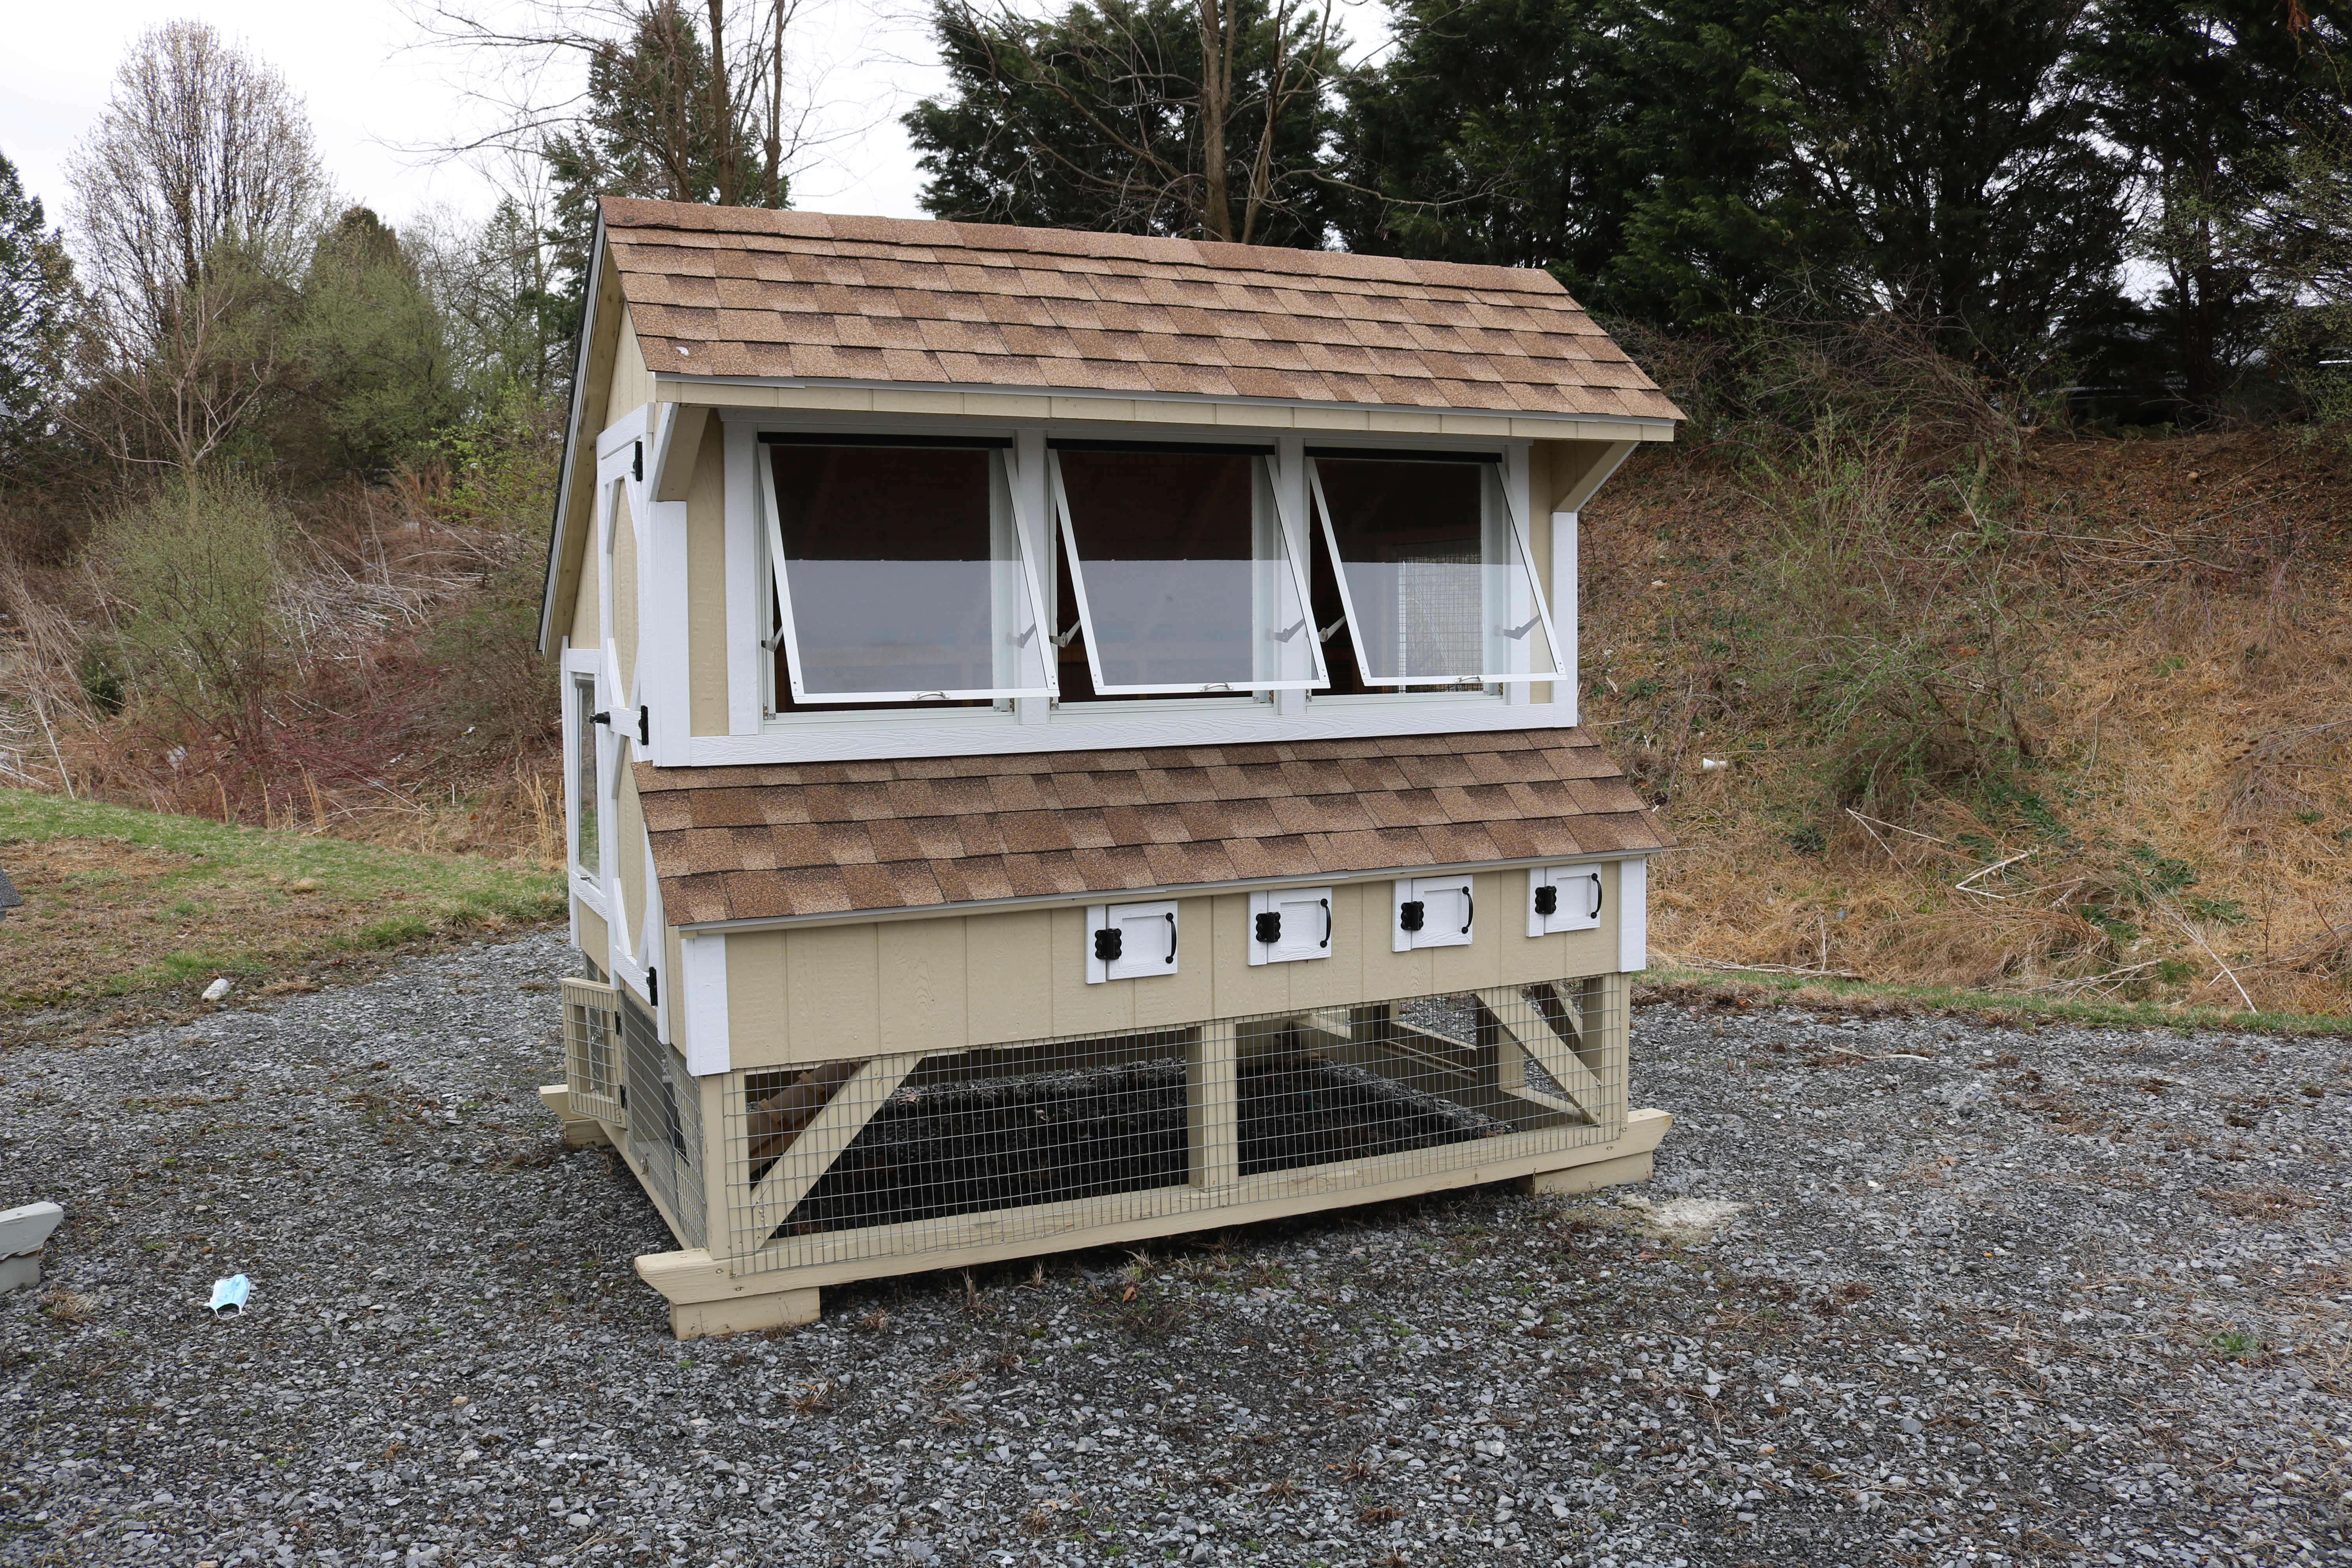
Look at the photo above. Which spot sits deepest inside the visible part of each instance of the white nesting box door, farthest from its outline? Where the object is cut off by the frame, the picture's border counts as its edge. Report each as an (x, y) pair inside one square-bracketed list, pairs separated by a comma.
[(1301, 925), (1575, 901), (1146, 945), (1448, 907)]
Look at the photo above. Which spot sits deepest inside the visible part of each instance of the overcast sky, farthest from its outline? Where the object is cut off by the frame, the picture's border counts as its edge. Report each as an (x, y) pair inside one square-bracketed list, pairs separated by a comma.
[(370, 94)]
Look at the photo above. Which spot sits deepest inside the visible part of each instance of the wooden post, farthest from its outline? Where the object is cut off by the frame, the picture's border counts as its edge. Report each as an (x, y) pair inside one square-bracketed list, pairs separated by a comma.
[(1213, 1107)]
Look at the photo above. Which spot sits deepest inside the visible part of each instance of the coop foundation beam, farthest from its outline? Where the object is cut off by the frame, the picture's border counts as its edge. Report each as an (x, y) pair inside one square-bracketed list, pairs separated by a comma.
[(579, 1132), (704, 1302), (913, 1248)]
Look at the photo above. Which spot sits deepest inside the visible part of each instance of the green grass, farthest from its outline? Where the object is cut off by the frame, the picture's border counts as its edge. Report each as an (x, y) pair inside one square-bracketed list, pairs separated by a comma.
[(119, 900), (1989, 1006)]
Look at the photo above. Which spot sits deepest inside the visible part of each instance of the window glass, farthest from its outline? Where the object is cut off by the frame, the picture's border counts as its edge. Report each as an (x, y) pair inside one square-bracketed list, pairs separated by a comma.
[(587, 818), (1184, 582), (900, 575), (1435, 586)]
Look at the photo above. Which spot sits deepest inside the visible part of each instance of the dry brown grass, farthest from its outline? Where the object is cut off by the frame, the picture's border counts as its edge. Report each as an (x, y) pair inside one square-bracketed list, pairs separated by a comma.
[(2193, 703)]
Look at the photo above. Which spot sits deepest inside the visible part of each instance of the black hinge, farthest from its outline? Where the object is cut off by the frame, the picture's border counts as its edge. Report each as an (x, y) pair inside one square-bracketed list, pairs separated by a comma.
[(1409, 914), (637, 463), (653, 985), (1547, 899), (645, 726), (1108, 943), (1269, 927)]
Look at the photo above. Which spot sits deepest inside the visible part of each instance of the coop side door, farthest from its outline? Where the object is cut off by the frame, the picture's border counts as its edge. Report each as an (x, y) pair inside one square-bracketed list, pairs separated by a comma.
[(1434, 912), (1290, 926), (1574, 902)]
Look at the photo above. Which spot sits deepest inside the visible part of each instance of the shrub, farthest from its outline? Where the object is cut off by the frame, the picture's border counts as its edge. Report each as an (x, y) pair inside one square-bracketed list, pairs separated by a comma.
[(194, 569)]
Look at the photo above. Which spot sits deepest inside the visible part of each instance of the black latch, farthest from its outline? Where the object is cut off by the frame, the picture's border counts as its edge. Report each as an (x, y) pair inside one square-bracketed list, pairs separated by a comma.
[(653, 986), (604, 719), (637, 463), (1269, 927), (645, 726), (1409, 914), (1108, 943), (1546, 899)]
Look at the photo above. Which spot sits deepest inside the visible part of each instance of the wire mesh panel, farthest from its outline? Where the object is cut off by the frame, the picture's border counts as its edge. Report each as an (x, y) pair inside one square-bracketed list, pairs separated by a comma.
[(917, 1152), (590, 1065), (664, 1121)]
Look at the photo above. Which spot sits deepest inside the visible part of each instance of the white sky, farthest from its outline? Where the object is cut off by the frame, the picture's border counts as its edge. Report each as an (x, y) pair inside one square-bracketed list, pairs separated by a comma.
[(369, 95)]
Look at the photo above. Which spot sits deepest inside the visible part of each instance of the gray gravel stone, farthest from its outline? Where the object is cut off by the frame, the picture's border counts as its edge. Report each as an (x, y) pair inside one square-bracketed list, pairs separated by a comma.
[(2065, 1297)]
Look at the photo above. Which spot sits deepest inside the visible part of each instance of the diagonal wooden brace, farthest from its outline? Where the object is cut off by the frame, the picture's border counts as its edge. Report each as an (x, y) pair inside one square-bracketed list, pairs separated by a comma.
[(1587, 1095), (831, 1131)]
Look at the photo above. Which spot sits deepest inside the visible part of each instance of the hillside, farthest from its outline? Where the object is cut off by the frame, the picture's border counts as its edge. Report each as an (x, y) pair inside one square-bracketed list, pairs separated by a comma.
[(2078, 728)]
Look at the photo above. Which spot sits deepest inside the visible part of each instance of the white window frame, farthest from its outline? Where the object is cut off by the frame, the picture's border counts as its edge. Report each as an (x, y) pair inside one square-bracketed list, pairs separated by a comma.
[(1004, 488), (588, 664), (1580, 893), (1305, 944), (1495, 478), (1273, 527), (1137, 962), (1440, 931)]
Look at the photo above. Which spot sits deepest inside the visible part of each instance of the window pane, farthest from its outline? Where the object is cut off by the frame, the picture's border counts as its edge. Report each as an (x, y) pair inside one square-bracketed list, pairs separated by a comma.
[(587, 840), (901, 569), (1176, 582), (1437, 586)]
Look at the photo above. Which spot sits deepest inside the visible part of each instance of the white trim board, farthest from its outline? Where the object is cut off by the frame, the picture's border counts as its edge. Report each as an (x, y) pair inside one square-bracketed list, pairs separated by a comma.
[(912, 735)]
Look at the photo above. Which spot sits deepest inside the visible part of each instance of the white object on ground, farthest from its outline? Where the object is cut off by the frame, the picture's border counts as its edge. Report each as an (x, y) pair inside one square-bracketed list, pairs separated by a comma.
[(230, 1292), (1688, 1220), (1714, 765), (218, 989), (23, 1233)]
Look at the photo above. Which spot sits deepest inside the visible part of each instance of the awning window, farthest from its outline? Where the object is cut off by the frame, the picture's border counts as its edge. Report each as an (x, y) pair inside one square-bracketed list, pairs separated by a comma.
[(1434, 571), (900, 575), (1188, 581)]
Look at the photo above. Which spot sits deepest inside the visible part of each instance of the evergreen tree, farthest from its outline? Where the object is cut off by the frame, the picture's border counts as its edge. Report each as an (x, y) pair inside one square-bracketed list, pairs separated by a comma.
[(36, 311), (2210, 98), (1205, 118)]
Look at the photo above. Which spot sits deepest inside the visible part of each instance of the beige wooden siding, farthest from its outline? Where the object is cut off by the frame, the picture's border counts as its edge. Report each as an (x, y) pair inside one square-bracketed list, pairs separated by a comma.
[(629, 846), (587, 633), (624, 597), (705, 585), (822, 993), (632, 385), (595, 936)]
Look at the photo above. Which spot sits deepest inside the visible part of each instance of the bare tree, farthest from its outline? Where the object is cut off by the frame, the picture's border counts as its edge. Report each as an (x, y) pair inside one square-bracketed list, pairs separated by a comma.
[(721, 118), (201, 147)]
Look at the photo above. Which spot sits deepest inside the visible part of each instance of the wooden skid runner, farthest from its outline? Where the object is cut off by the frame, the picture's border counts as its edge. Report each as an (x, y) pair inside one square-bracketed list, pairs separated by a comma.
[(706, 1297)]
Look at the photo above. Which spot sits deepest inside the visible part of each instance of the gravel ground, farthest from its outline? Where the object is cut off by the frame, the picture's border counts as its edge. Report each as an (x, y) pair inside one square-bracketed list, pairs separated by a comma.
[(2070, 1297)]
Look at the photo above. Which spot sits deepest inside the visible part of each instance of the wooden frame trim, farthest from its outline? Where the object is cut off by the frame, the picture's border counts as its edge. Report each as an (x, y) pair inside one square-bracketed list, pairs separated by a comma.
[(811, 1154), (696, 1275)]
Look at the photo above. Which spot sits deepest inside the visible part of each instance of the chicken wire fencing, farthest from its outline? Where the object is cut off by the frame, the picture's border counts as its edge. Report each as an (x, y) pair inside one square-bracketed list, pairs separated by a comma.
[(663, 1135), (902, 1154)]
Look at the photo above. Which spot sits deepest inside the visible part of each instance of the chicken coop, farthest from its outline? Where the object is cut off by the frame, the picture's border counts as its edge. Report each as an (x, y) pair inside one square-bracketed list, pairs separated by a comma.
[(1073, 737)]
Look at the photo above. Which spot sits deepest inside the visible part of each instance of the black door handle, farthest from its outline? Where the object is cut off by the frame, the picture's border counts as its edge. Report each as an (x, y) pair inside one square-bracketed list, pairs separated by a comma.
[(1171, 939), (1327, 922), (1469, 906), (1596, 895)]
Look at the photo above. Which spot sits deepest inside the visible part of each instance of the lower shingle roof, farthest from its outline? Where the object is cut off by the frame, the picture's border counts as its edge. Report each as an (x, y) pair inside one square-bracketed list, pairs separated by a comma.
[(832, 838)]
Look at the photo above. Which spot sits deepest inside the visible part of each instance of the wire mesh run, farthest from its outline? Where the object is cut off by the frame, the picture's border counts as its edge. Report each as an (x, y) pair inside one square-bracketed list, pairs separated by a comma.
[(921, 1152), (664, 1111)]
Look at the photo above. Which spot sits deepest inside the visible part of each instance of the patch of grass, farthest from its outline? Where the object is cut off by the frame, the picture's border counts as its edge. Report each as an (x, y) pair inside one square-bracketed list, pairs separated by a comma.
[(119, 900), (1732, 986)]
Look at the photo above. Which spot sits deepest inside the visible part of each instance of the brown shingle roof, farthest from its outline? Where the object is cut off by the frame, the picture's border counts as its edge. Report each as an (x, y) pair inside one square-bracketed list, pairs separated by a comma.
[(821, 838), (749, 292)]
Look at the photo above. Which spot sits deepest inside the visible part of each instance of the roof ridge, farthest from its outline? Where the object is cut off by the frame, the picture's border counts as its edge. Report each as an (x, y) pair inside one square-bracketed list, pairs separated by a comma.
[(639, 214)]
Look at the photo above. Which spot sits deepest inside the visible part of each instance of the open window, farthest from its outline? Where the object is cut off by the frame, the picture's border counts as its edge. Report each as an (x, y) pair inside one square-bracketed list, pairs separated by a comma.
[(587, 798), (1186, 580), (1432, 563), (900, 575)]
